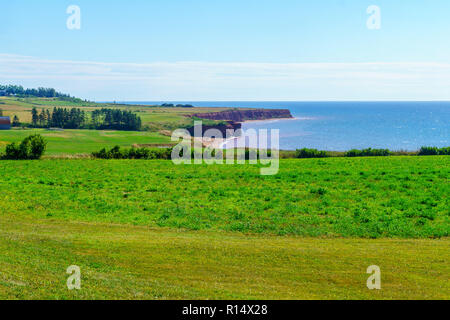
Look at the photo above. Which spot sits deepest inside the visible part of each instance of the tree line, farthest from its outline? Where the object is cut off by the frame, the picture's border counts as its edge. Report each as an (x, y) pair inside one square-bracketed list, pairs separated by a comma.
[(116, 119), (75, 118), (10, 90)]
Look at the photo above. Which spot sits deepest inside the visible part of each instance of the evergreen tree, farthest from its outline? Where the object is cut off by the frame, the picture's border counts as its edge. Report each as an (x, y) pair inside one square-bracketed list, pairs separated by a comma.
[(75, 118), (42, 118), (16, 122), (49, 119), (34, 117)]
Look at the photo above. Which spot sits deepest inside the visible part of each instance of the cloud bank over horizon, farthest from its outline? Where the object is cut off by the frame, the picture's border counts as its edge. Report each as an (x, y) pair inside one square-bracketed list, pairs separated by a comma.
[(230, 81)]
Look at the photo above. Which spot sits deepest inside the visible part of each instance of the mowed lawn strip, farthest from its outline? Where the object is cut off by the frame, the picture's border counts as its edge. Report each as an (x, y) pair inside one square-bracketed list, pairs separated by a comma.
[(404, 197), (134, 262)]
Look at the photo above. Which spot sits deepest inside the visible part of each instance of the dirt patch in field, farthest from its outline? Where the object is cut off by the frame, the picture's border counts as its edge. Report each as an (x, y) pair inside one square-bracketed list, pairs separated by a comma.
[(153, 145), (166, 133)]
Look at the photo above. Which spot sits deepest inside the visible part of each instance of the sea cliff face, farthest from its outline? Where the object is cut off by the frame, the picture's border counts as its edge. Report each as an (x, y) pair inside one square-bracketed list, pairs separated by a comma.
[(223, 127), (233, 118), (245, 115)]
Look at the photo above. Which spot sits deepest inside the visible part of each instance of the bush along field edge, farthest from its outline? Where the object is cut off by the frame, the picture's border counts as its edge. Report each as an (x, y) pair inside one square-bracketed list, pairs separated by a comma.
[(33, 148)]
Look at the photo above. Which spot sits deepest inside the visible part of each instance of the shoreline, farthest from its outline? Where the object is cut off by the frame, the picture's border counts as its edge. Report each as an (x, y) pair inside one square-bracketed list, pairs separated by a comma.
[(270, 120), (220, 143)]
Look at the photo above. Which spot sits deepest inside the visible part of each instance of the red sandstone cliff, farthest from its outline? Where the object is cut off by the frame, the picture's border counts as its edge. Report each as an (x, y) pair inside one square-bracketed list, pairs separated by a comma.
[(237, 115)]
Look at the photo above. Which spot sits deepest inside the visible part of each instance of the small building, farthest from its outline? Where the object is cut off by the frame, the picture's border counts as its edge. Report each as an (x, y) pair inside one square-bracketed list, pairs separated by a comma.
[(5, 123)]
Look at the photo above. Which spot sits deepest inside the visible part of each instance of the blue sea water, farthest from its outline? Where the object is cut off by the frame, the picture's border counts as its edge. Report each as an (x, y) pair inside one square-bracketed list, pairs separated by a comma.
[(340, 126)]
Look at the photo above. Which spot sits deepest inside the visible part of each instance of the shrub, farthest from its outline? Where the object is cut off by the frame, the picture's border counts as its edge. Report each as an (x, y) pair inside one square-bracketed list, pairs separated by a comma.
[(433, 151), (353, 153), (134, 153), (12, 152), (31, 148), (166, 153), (114, 153), (444, 151), (368, 153), (428, 151), (250, 154), (240, 154), (310, 153), (36, 146)]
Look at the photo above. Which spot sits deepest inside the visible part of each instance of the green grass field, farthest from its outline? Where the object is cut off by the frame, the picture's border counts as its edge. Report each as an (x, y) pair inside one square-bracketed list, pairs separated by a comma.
[(153, 230), (71, 142), (362, 197), (133, 262)]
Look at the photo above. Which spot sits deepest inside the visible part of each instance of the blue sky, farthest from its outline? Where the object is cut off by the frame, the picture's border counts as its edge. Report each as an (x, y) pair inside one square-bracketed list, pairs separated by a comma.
[(229, 50)]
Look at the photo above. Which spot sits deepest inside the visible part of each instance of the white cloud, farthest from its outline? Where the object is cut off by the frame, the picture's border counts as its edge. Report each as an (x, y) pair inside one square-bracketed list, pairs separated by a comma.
[(231, 81)]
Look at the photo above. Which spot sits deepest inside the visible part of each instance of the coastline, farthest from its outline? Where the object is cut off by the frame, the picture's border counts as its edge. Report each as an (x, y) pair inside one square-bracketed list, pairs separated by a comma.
[(271, 120), (220, 143)]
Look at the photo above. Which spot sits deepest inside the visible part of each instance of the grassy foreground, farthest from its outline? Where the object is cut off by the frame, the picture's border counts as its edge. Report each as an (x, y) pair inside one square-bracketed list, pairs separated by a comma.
[(132, 262), (339, 197), (153, 230)]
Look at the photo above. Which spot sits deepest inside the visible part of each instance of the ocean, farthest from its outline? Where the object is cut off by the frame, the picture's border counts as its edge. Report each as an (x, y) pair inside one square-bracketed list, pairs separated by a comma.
[(340, 126)]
